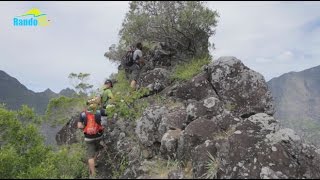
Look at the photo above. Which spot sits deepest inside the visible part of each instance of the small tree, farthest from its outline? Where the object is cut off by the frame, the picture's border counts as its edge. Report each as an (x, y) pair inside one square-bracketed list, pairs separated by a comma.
[(79, 82), (184, 25)]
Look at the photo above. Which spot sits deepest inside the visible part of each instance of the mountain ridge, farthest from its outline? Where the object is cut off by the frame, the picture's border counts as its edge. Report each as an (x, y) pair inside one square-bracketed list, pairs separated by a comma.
[(297, 101), (14, 94)]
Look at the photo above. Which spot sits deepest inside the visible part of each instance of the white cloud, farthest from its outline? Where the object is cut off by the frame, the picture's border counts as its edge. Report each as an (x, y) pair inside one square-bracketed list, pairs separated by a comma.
[(75, 41), (270, 37)]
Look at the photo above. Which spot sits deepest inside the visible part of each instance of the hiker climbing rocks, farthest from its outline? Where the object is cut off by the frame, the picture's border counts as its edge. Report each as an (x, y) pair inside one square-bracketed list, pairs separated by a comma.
[(135, 68), (90, 123), (106, 96)]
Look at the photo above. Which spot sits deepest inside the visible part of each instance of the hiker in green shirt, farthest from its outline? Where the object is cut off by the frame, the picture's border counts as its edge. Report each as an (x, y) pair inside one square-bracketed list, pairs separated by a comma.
[(106, 96)]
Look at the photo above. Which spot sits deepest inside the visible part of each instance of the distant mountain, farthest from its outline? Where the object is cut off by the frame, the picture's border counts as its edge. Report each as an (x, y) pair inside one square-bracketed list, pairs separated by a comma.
[(297, 101), (14, 94), (67, 92)]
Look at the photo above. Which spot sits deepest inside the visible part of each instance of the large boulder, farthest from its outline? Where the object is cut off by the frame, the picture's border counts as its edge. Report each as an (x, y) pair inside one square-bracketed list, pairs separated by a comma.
[(243, 90), (208, 108), (68, 133), (169, 143), (197, 88), (175, 119), (201, 159), (258, 149), (155, 80), (197, 132), (148, 124)]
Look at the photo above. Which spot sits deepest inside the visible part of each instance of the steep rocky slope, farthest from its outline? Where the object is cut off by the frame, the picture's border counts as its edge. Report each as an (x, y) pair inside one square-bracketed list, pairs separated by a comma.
[(219, 124)]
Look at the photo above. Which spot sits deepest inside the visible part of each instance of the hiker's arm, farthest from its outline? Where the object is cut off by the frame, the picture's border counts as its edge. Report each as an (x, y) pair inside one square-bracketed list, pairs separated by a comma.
[(80, 123)]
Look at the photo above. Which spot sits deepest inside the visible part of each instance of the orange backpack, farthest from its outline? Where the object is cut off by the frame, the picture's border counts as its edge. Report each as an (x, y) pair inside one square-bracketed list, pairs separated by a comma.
[(92, 127)]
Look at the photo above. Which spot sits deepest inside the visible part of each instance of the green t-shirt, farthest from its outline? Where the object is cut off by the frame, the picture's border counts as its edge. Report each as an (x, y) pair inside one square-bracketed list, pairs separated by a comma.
[(106, 94)]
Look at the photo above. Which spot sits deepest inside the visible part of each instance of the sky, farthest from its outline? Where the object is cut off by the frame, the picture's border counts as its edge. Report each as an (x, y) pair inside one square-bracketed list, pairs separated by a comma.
[(271, 38)]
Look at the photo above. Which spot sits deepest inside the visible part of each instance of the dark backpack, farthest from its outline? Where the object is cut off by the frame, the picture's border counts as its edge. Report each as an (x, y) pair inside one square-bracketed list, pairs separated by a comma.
[(128, 58)]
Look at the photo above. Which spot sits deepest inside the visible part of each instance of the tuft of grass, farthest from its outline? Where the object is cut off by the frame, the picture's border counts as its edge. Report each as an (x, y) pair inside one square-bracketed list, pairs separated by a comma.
[(188, 170), (212, 167), (161, 168), (189, 69), (225, 134)]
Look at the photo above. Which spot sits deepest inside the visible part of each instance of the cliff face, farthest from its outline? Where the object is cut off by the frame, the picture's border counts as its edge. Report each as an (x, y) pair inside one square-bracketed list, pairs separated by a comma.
[(219, 124), (297, 100)]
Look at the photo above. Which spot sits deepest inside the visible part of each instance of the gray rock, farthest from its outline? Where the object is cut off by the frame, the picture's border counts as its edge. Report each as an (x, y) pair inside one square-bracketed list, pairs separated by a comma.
[(169, 143), (148, 124), (266, 122), (285, 135), (201, 158), (208, 108), (124, 146), (155, 80), (176, 174), (197, 88), (196, 133), (68, 133), (175, 119), (243, 90), (267, 173)]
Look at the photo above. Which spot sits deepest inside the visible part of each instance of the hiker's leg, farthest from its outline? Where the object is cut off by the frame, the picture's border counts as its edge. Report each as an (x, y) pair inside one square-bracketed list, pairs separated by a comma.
[(91, 149), (92, 167), (133, 84), (135, 76)]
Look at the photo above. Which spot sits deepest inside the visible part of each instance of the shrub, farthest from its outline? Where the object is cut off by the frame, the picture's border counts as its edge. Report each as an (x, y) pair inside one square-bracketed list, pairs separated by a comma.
[(24, 155), (59, 109)]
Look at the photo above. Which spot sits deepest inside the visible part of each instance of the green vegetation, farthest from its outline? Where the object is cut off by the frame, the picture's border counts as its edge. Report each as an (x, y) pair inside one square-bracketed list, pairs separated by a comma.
[(160, 168), (28, 115), (185, 25), (24, 155), (308, 129), (212, 168), (230, 106), (189, 69), (79, 82), (119, 168), (125, 98), (59, 109)]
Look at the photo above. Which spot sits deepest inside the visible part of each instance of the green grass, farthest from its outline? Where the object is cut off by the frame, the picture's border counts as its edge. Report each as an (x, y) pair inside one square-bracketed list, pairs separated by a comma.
[(160, 168), (188, 70), (212, 167)]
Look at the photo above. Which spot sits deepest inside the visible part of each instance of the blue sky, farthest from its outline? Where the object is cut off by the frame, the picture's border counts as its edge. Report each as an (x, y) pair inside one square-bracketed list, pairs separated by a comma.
[(269, 37)]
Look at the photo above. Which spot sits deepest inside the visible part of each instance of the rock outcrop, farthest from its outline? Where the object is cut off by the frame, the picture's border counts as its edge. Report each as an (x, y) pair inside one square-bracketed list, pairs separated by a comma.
[(222, 127), (243, 90), (68, 133), (155, 80)]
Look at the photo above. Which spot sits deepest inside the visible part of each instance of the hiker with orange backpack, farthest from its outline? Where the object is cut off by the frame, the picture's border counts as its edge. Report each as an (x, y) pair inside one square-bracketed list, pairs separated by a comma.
[(90, 123)]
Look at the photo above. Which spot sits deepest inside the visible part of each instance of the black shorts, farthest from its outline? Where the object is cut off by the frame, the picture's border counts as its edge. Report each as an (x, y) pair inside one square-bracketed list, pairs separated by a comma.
[(135, 72)]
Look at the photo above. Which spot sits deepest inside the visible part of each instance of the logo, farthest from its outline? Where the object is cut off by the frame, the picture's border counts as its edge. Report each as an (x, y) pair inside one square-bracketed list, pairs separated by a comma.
[(32, 18)]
